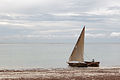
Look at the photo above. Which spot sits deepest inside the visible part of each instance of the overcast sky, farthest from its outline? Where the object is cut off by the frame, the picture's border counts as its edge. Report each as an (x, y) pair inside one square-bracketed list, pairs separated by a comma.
[(59, 20)]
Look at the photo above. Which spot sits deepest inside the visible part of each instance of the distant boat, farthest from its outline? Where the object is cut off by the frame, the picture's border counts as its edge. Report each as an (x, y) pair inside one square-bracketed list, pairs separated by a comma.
[(77, 57)]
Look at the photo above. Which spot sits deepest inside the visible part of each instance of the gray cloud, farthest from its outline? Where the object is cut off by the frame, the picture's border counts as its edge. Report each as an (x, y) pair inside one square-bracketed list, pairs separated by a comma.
[(61, 19)]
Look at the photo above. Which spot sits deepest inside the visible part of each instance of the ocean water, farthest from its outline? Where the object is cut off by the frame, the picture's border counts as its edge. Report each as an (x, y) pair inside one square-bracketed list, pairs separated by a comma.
[(40, 55)]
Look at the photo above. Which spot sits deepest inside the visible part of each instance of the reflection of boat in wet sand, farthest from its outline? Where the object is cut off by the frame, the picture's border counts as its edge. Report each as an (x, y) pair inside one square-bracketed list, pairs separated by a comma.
[(77, 57)]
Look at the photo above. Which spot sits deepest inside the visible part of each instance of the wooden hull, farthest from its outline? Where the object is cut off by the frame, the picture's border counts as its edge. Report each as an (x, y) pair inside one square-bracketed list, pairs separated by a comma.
[(78, 64), (85, 64), (92, 64)]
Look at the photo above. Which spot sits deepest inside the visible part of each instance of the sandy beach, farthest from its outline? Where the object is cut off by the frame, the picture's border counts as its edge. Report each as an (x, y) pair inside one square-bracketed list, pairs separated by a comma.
[(62, 74)]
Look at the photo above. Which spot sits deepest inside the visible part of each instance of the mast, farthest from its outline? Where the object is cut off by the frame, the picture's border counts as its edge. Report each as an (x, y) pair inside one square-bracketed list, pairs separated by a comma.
[(78, 51)]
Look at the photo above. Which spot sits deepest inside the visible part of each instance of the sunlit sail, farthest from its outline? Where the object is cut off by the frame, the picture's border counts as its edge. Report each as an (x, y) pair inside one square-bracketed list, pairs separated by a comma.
[(78, 51)]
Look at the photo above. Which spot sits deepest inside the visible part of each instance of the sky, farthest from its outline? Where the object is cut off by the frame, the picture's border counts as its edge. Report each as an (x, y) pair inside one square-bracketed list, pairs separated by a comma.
[(59, 20)]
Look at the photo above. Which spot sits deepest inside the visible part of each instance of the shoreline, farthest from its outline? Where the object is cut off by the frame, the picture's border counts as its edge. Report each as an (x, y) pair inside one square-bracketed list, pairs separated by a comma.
[(90, 73)]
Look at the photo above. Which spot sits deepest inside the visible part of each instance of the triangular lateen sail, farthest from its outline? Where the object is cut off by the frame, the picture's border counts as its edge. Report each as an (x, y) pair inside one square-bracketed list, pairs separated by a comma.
[(78, 51)]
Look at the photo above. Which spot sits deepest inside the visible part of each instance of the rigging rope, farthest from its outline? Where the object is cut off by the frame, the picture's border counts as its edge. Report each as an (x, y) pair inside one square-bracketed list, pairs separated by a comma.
[(86, 57)]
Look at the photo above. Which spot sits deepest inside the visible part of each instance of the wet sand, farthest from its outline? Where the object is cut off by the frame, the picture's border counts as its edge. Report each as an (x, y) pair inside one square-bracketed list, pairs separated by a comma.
[(62, 74)]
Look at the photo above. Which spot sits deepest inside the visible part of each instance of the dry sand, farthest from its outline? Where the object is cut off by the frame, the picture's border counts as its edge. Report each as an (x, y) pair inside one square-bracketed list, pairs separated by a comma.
[(62, 74)]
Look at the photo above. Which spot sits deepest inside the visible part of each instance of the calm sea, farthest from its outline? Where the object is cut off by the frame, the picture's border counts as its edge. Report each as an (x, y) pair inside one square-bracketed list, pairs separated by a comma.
[(55, 55)]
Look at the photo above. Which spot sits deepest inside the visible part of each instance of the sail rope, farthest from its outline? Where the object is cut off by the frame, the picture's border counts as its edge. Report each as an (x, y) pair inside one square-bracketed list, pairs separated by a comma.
[(86, 57)]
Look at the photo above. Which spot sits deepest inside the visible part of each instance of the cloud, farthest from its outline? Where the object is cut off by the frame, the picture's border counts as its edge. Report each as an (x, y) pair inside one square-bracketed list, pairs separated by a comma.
[(115, 34), (54, 19), (67, 14), (99, 35), (15, 24)]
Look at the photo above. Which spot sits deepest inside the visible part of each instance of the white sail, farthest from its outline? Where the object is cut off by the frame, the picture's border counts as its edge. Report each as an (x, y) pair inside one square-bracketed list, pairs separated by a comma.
[(78, 51)]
